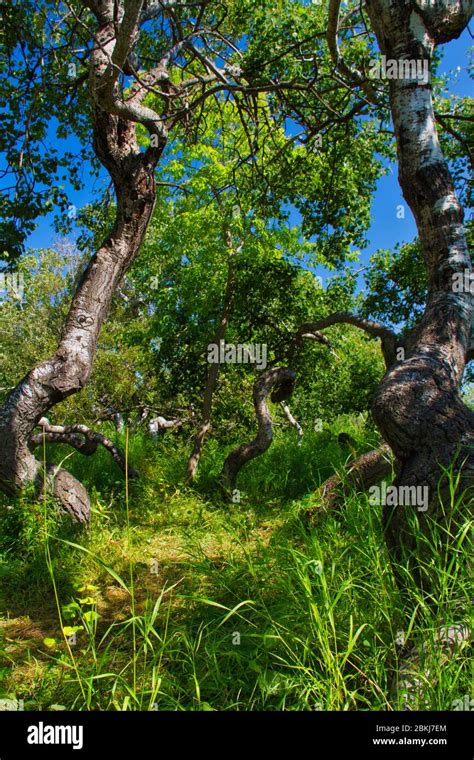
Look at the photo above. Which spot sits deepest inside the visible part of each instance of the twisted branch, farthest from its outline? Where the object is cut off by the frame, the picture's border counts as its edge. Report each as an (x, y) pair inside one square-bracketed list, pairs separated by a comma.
[(390, 340), (81, 438), (282, 380)]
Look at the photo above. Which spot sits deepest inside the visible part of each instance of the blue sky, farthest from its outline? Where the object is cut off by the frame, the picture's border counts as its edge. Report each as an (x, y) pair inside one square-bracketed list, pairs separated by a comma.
[(386, 229)]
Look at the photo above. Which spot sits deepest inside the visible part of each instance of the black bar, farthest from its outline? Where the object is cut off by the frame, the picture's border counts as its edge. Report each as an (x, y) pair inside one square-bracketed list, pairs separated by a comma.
[(135, 735)]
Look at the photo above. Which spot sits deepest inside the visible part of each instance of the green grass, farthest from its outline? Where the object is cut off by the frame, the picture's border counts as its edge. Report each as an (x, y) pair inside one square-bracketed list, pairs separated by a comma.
[(181, 600)]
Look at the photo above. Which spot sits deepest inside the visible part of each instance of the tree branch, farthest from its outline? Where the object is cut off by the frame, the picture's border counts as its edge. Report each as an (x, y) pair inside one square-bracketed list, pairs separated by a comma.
[(81, 438), (293, 421), (352, 75), (390, 340)]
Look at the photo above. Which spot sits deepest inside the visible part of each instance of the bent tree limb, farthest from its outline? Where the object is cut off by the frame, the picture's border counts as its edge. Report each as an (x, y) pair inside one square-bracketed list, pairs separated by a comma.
[(281, 380), (390, 341), (82, 438)]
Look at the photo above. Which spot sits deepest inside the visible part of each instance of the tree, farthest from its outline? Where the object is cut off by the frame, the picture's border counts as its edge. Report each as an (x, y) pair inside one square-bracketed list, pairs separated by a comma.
[(418, 406), (431, 426), (153, 65)]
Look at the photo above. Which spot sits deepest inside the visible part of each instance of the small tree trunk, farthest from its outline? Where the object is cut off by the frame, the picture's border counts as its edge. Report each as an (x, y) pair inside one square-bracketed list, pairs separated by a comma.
[(213, 373)]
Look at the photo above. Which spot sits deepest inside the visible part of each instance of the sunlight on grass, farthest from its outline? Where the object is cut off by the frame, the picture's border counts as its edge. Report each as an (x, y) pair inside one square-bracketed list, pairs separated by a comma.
[(178, 600)]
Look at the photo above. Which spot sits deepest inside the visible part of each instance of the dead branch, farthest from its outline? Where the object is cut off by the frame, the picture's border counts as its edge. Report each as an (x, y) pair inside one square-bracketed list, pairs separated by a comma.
[(293, 421)]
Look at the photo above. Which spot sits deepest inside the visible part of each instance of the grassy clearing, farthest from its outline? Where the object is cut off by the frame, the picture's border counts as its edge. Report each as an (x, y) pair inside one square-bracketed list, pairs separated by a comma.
[(176, 599)]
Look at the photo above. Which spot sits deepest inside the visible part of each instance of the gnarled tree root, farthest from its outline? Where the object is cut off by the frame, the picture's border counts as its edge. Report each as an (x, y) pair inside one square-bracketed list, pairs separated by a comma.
[(362, 473), (282, 380)]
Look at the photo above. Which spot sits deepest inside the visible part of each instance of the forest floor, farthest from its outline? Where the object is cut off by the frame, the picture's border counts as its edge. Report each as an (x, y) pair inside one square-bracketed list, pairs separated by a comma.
[(176, 598)]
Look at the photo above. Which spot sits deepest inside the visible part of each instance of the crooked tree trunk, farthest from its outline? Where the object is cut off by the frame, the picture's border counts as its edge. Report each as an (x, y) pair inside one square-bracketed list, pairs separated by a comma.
[(282, 381), (418, 406), (213, 373), (67, 371)]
